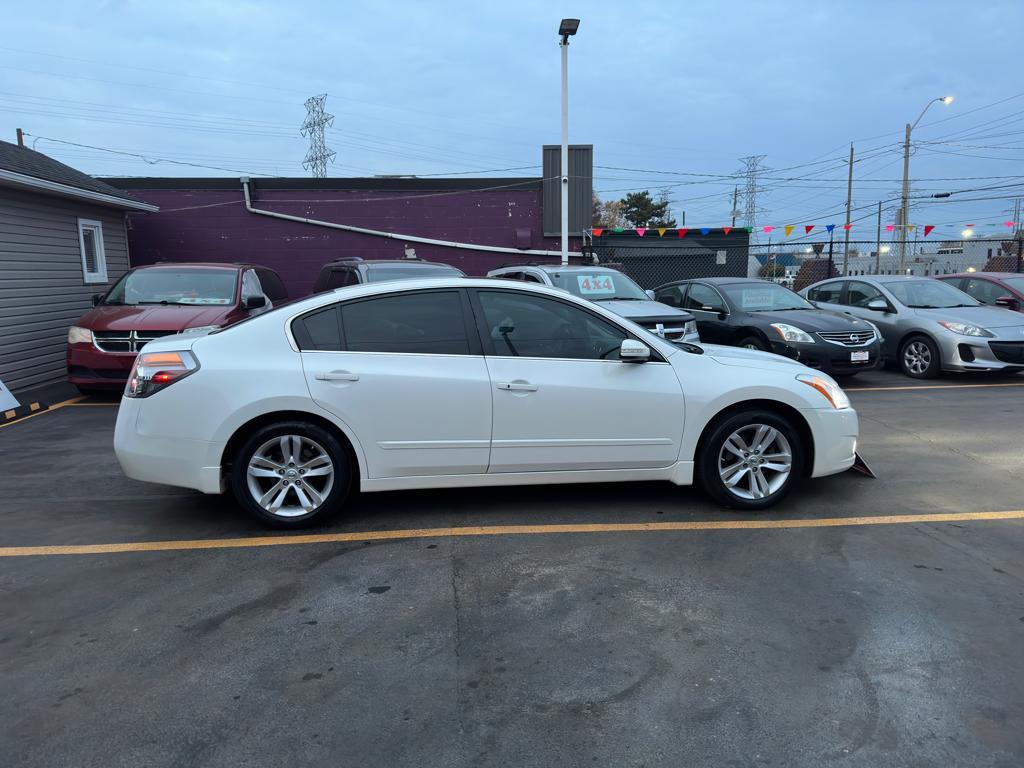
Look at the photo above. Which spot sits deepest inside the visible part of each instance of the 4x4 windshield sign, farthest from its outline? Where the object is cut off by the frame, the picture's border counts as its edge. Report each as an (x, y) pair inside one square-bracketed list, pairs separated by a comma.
[(596, 285)]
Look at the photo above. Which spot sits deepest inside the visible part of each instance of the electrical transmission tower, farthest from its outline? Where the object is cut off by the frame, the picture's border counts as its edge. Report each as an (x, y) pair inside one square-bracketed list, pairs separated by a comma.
[(317, 119), (752, 168)]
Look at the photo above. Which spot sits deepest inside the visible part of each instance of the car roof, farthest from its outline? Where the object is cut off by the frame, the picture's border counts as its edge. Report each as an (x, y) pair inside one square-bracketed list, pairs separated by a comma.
[(558, 267), (386, 262), (198, 265), (718, 281), (996, 275)]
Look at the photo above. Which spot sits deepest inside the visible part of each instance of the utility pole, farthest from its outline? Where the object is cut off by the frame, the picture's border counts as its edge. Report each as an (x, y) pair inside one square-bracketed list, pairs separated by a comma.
[(849, 201), (566, 30), (878, 241), (317, 119), (904, 213), (735, 200)]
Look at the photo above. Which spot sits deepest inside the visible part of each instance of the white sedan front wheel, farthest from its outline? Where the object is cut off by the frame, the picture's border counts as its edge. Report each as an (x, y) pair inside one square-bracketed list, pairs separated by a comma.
[(751, 460)]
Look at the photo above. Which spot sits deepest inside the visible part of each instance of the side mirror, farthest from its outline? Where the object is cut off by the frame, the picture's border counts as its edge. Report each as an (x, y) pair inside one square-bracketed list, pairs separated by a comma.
[(97, 298), (254, 302), (650, 294), (878, 305), (1010, 302), (633, 351)]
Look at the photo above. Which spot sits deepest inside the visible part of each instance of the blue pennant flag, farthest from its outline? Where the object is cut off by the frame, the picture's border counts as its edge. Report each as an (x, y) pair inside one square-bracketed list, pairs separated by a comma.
[(705, 230), (830, 227)]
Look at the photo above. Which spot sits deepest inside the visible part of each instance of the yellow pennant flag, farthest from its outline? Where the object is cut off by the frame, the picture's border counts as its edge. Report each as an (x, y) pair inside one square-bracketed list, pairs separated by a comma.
[(789, 229), (661, 231), (911, 227)]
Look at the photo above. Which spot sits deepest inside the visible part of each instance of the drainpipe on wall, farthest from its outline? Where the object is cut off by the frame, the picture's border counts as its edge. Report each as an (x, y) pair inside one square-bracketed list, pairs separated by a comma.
[(391, 235)]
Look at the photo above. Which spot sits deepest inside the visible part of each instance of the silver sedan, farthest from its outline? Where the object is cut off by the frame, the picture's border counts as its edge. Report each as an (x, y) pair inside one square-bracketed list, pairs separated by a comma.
[(929, 326)]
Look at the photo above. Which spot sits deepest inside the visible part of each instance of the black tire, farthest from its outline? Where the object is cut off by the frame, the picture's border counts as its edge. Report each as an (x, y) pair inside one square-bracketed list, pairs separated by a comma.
[(753, 342), (313, 440), (709, 460), (919, 358)]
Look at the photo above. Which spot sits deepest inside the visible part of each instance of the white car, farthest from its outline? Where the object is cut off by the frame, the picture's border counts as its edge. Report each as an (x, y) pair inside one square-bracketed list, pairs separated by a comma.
[(467, 382)]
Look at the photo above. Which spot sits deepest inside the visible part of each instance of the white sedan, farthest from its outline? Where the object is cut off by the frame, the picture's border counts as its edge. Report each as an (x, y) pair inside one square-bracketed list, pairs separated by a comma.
[(461, 382)]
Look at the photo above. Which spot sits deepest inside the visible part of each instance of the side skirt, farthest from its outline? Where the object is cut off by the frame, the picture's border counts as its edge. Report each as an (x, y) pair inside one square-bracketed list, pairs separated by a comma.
[(680, 473)]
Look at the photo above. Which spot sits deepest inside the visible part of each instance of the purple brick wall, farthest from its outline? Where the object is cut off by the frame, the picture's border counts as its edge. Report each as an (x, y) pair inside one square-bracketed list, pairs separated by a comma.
[(213, 225)]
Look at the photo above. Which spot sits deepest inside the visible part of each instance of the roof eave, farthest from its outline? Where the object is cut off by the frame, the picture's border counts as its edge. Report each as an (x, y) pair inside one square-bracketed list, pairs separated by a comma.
[(24, 181)]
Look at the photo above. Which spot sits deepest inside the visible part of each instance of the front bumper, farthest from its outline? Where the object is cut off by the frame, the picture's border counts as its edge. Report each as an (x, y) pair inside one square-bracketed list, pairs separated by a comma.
[(830, 358), (88, 366), (835, 439), (966, 353)]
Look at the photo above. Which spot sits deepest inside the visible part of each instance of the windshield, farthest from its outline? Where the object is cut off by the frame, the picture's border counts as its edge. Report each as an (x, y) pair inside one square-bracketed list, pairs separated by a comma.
[(411, 272), (175, 286), (763, 297), (929, 294), (1017, 283), (599, 285)]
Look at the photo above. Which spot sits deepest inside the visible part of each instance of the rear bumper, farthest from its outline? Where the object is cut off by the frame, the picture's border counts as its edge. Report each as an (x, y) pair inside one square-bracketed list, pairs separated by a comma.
[(830, 358), (88, 366), (835, 439), (166, 460)]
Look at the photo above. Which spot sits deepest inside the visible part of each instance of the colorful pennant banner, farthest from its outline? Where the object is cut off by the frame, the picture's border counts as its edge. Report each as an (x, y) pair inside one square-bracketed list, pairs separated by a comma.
[(789, 228)]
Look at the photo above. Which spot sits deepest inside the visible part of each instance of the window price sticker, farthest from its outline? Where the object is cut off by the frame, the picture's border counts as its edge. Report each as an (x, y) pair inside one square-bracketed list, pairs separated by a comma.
[(596, 285)]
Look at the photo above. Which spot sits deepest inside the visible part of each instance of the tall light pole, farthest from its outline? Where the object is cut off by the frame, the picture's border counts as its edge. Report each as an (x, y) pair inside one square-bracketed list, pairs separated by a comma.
[(566, 29), (906, 177)]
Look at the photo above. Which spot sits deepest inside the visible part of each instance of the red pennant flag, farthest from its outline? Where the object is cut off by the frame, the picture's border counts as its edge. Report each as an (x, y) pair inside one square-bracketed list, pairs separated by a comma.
[(808, 228), (847, 226), (727, 230), (767, 229), (928, 229), (968, 225), (641, 231), (682, 232), (890, 227), (1010, 224), (597, 231)]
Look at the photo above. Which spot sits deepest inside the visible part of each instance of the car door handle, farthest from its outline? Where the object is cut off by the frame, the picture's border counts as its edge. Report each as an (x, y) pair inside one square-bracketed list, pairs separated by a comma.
[(517, 386), (337, 376)]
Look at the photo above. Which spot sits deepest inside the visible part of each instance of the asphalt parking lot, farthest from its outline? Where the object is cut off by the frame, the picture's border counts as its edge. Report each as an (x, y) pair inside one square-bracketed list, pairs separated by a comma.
[(844, 627)]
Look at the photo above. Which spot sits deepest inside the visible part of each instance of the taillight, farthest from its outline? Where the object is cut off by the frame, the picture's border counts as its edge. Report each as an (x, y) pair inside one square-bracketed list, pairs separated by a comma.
[(155, 370)]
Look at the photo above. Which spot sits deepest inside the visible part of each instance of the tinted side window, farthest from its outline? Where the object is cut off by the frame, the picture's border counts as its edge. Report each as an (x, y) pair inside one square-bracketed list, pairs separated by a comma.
[(522, 325), (984, 291), (250, 285), (531, 278), (426, 323), (827, 293), (339, 278), (319, 330), (859, 294), (272, 285), (672, 295), (701, 296)]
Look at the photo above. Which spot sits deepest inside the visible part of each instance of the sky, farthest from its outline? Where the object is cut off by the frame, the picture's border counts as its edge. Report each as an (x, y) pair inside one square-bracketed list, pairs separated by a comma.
[(671, 95)]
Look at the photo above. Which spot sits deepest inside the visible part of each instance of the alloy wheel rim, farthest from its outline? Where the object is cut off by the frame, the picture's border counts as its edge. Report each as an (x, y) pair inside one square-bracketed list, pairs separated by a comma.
[(755, 461), (290, 476), (917, 357)]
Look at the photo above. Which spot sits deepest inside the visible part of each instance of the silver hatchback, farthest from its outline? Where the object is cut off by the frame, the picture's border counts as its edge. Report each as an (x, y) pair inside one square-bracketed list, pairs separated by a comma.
[(929, 326)]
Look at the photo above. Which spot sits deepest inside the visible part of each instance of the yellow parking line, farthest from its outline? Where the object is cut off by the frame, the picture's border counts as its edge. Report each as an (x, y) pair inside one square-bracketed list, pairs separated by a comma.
[(54, 407), (498, 530), (933, 386)]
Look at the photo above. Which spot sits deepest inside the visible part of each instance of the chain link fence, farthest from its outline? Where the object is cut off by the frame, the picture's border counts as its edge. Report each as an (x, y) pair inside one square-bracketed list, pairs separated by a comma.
[(796, 264)]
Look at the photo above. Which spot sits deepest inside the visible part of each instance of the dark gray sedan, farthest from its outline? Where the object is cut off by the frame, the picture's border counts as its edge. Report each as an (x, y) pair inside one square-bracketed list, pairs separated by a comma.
[(929, 326)]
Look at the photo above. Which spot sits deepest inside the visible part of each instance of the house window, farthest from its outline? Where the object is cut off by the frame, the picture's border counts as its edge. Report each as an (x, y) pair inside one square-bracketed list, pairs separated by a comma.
[(90, 243)]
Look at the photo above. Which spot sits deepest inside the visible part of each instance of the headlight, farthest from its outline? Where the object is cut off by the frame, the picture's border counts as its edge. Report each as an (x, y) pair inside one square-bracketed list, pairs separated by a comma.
[(832, 391), (965, 329), (202, 329), (689, 327), (792, 333), (78, 335)]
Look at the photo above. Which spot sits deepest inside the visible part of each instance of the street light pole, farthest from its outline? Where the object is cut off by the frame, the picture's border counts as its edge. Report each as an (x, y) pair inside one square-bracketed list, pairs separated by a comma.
[(566, 29), (906, 177)]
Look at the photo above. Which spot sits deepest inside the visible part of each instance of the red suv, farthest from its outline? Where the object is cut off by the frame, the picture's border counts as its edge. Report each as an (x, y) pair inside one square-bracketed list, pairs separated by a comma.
[(160, 300), (1000, 289)]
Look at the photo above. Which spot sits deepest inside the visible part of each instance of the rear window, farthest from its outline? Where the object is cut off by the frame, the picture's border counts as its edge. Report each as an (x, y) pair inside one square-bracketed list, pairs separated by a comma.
[(380, 273)]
